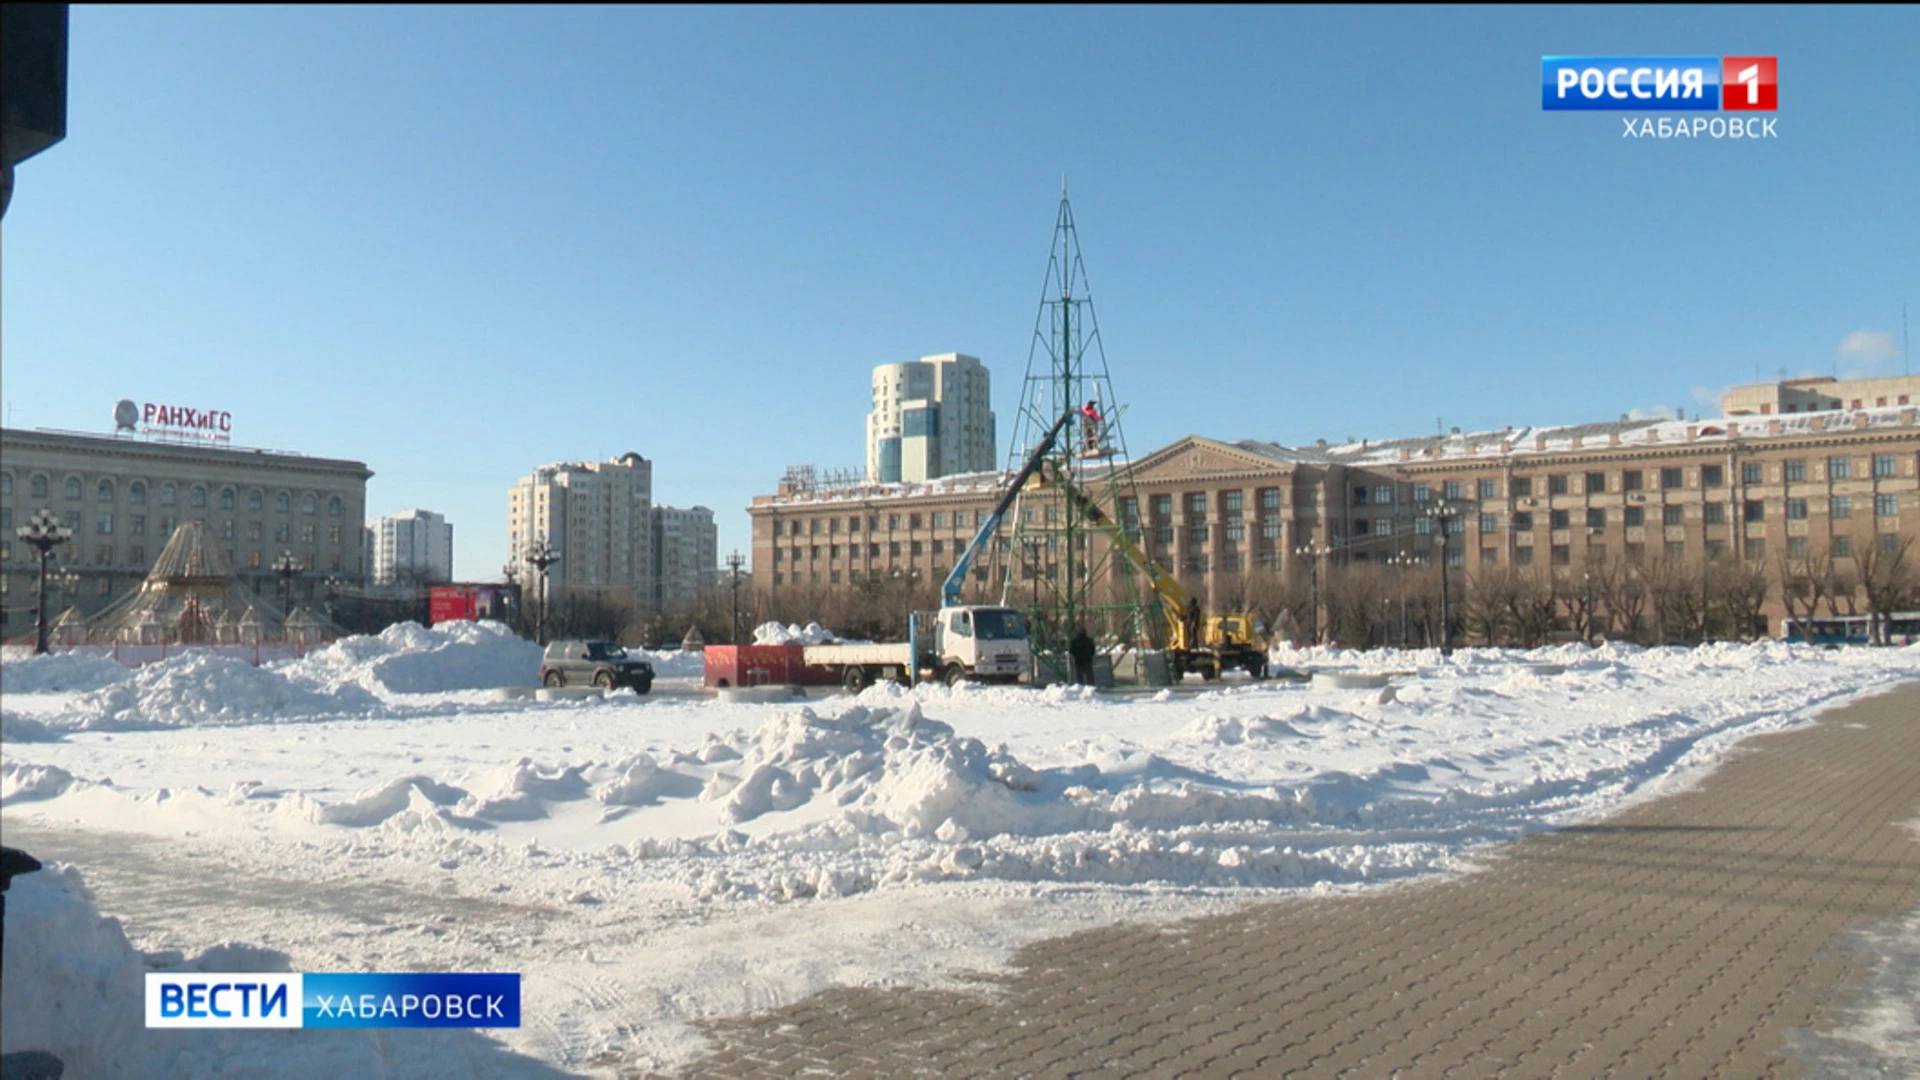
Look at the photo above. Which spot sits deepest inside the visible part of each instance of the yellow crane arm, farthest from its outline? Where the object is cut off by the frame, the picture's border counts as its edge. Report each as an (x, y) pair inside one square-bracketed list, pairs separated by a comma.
[(1173, 595)]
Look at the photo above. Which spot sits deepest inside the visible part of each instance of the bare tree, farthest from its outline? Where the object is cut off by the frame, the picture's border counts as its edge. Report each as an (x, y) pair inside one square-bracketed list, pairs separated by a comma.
[(1887, 578), (1352, 593), (1581, 597), (1843, 594), (1489, 605), (1739, 590), (1531, 605), (587, 613), (1679, 600), (1804, 583), (1626, 598)]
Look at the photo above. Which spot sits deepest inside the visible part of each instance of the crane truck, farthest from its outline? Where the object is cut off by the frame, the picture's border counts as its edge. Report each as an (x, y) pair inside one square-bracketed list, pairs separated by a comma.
[(986, 642), (1208, 644)]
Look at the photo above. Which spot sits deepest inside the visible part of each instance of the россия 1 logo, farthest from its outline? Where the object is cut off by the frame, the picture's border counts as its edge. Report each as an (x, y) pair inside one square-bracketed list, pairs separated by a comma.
[(1660, 83)]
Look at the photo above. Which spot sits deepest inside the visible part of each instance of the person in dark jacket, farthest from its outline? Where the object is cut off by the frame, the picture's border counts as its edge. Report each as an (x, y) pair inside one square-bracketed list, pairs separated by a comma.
[(1081, 650)]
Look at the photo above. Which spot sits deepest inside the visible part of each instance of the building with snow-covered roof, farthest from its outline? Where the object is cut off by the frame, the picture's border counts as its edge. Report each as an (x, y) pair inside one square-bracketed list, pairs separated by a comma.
[(1809, 489), (124, 496)]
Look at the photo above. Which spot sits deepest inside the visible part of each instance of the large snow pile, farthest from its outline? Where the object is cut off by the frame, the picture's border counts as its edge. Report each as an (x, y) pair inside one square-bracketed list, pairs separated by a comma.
[(773, 633), (672, 663), (205, 689), (57, 672), (407, 658)]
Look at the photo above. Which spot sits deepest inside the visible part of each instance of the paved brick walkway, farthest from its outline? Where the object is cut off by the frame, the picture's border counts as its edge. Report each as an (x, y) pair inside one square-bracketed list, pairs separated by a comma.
[(1679, 939)]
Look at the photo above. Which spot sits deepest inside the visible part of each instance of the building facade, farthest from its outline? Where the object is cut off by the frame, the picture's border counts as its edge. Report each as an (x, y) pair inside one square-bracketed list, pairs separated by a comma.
[(595, 516), (599, 518), (1820, 395), (931, 418), (414, 547), (1811, 486), (686, 553), (123, 497)]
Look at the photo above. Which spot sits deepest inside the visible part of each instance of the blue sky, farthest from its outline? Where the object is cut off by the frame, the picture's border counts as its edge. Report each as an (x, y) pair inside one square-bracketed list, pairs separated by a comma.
[(459, 243)]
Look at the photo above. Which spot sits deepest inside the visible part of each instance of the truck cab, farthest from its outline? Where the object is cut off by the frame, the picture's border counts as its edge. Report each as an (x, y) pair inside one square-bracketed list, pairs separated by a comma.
[(987, 643)]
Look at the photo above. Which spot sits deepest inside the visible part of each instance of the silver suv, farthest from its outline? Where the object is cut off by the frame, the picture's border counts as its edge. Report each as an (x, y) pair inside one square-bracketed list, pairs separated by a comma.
[(594, 663)]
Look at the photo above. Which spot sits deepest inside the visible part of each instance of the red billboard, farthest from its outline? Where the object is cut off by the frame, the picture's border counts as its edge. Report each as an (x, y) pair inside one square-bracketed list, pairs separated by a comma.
[(451, 603)]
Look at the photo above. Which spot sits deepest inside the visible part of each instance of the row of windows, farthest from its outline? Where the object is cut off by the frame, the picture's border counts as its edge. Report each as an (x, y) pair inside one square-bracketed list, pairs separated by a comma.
[(1232, 503), (832, 525), (137, 556), (1752, 510), (104, 524), (168, 494), (1839, 546), (1766, 407), (1753, 549), (896, 548), (1670, 478), (1633, 517)]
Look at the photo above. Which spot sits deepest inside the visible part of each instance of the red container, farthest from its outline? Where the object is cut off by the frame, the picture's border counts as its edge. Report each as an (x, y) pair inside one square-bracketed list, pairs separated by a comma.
[(755, 665)]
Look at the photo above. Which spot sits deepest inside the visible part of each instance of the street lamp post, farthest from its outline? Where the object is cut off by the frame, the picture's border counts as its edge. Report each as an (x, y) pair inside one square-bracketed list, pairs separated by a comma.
[(540, 556), (1401, 564), (43, 532), (1442, 516), (1032, 546), (734, 563), (510, 573), (1312, 553), (286, 566)]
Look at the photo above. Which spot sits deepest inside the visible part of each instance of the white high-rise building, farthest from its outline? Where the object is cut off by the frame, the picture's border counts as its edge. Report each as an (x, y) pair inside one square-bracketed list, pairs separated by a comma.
[(930, 418), (596, 516), (685, 553), (415, 547)]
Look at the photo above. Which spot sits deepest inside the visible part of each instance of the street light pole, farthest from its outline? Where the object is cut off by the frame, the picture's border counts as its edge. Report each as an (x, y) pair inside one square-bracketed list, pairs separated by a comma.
[(1312, 553), (1441, 516), (43, 532), (540, 556), (1401, 563), (734, 563), (1032, 545), (286, 566)]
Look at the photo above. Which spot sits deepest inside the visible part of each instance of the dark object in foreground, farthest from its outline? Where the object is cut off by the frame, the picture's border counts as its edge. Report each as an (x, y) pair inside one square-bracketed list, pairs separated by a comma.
[(23, 1064)]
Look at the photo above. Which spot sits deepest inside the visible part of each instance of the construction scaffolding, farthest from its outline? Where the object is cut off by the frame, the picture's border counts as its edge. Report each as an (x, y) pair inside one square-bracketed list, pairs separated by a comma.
[(1058, 575)]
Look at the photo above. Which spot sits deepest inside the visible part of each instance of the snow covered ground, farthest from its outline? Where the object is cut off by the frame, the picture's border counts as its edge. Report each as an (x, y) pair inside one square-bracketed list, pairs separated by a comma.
[(647, 863)]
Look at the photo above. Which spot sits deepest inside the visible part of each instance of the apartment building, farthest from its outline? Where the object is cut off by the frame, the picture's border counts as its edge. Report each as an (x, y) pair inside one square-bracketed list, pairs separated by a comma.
[(600, 520), (930, 419), (595, 516), (415, 546), (686, 553)]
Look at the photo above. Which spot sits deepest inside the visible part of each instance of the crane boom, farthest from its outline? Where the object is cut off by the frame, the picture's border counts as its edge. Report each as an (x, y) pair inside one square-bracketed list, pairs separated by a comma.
[(950, 589), (1173, 595)]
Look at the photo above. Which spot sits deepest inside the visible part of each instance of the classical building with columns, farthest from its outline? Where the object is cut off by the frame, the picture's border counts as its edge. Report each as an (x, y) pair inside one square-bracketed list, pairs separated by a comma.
[(1826, 484), (124, 496)]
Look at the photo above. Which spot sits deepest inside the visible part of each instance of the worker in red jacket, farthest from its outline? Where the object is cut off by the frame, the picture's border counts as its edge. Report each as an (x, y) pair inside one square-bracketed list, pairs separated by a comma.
[(1090, 423)]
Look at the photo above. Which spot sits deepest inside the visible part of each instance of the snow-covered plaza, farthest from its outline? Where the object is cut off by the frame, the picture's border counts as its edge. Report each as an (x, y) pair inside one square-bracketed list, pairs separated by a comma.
[(650, 862)]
